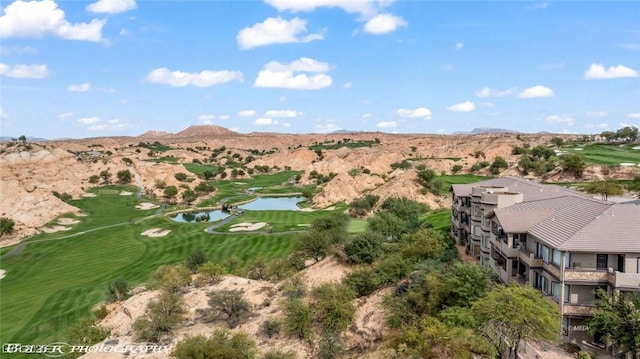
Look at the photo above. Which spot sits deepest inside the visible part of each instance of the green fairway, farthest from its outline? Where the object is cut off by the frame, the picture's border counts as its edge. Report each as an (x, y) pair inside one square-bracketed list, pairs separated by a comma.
[(440, 220), (357, 225), (608, 154), (60, 276)]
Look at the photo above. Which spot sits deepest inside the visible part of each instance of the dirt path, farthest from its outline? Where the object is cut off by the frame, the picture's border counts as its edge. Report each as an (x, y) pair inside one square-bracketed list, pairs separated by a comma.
[(138, 182)]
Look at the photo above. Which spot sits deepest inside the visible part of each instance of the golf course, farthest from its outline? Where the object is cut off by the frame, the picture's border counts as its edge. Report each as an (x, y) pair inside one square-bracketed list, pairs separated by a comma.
[(53, 279)]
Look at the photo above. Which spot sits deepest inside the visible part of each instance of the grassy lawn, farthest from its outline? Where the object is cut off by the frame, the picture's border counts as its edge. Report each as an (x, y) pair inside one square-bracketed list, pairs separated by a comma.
[(440, 220), (335, 146), (357, 225), (57, 280), (199, 169), (607, 154)]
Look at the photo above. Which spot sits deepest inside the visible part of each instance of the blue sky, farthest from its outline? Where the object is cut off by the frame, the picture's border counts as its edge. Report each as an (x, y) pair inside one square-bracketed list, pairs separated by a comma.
[(72, 69)]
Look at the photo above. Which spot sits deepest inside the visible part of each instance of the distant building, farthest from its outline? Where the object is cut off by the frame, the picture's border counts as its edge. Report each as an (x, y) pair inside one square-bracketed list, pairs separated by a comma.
[(560, 241)]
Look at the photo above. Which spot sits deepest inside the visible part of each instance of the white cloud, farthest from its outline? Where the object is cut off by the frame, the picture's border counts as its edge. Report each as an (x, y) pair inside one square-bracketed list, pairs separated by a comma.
[(347, 85), (459, 46), (113, 124), (3, 114), (112, 6), (106, 89), (366, 115), (446, 67), (633, 47), (24, 71), (569, 120), (420, 112), (206, 119), (247, 113), (16, 50), (326, 128), (224, 117), (65, 115), (265, 121), (363, 7), (204, 78), (553, 66), (597, 71), (39, 18), (634, 115), (278, 75), (488, 92), (384, 23), (282, 113), (466, 106), (275, 30), (596, 114), (536, 91), (386, 124), (603, 125), (89, 120), (83, 87), (303, 64)]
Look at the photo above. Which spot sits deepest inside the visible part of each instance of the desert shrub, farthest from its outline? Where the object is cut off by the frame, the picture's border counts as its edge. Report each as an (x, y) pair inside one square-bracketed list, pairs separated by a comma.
[(171, 279), (181, 176), (333, 306), (211, 272), (117, 290), (364, 247), (85, 331), (295, 287), (221, 344), (270, 328), (279, 354), (101, 312), (330, 346), (362, 280), (297, 318), (456, 168), (229, 306), (195, 259), (161, 317)]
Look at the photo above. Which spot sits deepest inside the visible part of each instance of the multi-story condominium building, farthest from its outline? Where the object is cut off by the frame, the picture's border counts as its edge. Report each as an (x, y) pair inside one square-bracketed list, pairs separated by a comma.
[(564, 243)]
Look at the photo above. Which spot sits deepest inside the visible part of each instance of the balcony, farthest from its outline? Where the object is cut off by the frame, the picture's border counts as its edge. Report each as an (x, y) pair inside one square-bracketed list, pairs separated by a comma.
[(551, 269), (588, 275), (529, 258), (578, 309), (622, 280)]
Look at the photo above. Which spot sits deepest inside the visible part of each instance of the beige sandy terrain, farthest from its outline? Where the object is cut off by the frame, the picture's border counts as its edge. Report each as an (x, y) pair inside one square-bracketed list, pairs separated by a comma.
[(126, 193), (54, 229), (156, 232), (3, 273), (89, 195), (245, 226), (68, 221), (146, 206)]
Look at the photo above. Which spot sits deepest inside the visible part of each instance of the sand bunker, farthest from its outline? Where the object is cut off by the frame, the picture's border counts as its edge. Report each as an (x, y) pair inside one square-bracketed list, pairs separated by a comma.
[(125, 193), (67, 221), (627, 164), (146, 206), (156, 232), (2, 273), (89, 195), (636, 148), (245, 226), (54, 229)]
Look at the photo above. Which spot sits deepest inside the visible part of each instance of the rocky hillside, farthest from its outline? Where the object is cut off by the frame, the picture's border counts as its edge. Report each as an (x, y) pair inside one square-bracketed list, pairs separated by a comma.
[(354, 163)]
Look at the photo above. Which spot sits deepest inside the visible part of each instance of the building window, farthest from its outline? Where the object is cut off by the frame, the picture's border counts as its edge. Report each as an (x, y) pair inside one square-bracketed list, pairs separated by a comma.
[(602, 261), (566, 293), (557, 258), (567, 260), (555, 290), (542, 251)]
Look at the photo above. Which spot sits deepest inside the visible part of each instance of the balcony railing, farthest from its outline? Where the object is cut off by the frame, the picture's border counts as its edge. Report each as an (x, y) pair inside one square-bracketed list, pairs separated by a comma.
[(587, 275), (622, 280), (529, 258), (582, 310)]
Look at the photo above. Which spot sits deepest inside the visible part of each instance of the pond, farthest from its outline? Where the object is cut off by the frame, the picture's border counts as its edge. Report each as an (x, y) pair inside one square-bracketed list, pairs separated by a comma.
[(202, 216), (260, 204), (273, 204)]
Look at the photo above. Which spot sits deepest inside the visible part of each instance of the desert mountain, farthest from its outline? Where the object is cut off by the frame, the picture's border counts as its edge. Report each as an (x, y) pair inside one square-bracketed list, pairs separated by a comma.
[(204, 131)]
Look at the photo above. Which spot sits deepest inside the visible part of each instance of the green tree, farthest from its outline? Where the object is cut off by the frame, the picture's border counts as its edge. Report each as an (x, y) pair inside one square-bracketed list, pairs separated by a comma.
[(557, 141), (124, 176), (628, 133), (229, 306), (22, 139), (94, 179), (161, 316), (498, 165), (211, 272), (172, 279), (105, 175), (510, 314), (333, 306), (85, 332), (604, 189), (617, 317), (189, 196), (574, 163), (297, 318), (314, 244), (181, 176), (170, 191), (542, 152), (117, 290), (6, 226), (195, 259), (364, 247), (221, 345), (456, 168)]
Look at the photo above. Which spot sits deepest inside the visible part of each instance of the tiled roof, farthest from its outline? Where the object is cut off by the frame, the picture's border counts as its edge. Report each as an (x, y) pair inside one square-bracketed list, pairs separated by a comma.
[(576, 224), (531, 191), (615, 230)]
